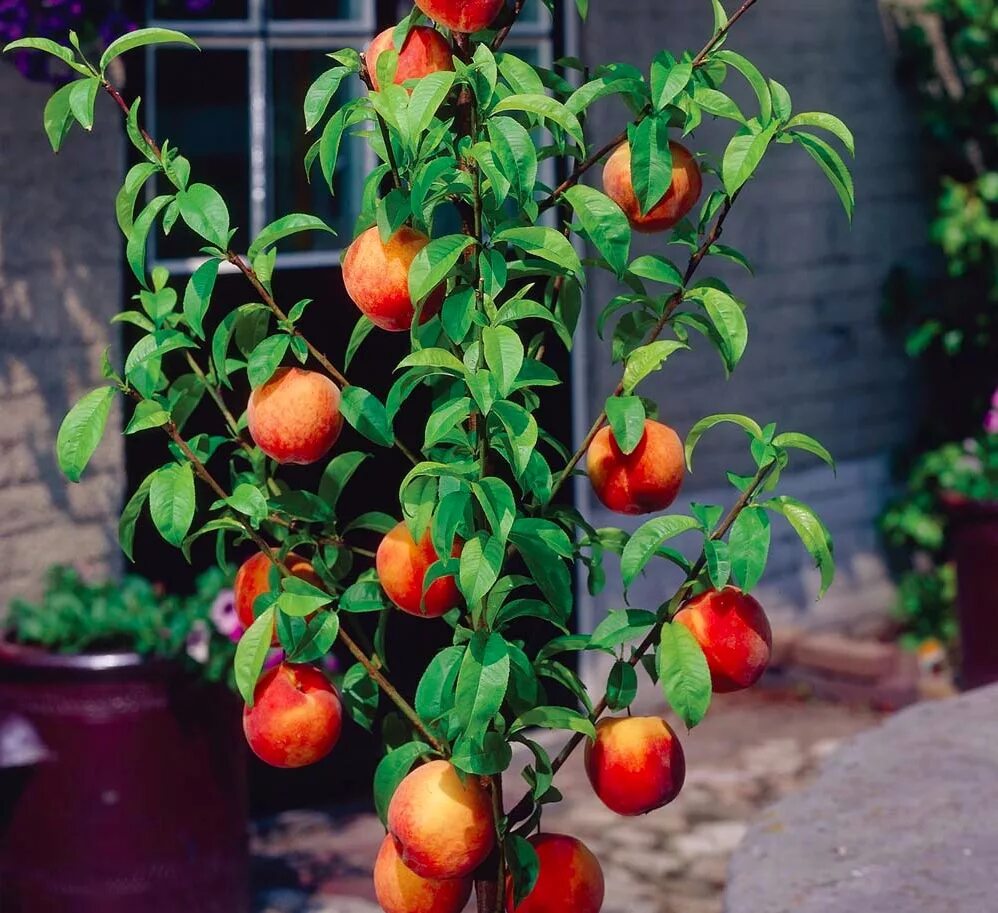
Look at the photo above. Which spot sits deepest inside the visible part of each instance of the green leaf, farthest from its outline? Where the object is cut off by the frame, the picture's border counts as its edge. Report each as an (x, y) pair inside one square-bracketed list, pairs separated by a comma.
[(197, 295), (435, 692), (550, 573), (645, 360), (521, 430), (812, 533), (799, 441), (361, 694), (130, 515), (47, 46), (832, 165), (516, 156), (626, 415), (300, 598), (444, 419), (683, 674), (433, 264), (205, 213), (124, 204), (172, 500), (337, 474), (285, 227), (621, 626), (827, 122), (644, 543), (490, 754), (604, 223), (749, 546), (361, 329), (717, 103), (155, 345), (365, 412), (729, 321), (705, 424), (621, 686), (555, 718), (482, 682), (363, 596), (57, 117), (141, 38), (320, 94), (135, 249), (329, 147), (546, 243), (651, 161), (481, 562), (81, 431), (147, 414), (249, 500), (524, 864), (755, 79), (82, 99), (504, 355), (426, 98), (391, 771), (716, 555), (656, 269), (546, 107), (667, 83), (266, 358), (251, 653), (742, 157), (432, 358)]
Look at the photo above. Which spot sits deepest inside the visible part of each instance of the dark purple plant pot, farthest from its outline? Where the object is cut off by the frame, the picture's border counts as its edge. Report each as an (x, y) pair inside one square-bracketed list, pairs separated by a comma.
[(973, 539), (128, 790)]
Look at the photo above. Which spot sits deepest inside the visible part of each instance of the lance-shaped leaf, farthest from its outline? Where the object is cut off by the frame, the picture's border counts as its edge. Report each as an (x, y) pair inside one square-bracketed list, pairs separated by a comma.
[(626, 415), (683, 673), (142, 38), (171, 501), (748, 544), (812, 533), (705, 424), (645, 541), (645, 360), (434, 262), (604, 224), (391, 770), (251, 652), (482, 682), (81, 431)]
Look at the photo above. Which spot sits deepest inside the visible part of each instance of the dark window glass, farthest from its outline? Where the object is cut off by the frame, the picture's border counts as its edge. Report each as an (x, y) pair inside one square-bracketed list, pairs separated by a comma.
[(210, 129), (193, 10), (292, 72), (309, 9)]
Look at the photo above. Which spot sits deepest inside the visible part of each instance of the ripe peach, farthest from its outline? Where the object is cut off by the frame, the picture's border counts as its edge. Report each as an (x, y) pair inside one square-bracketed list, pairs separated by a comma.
[(462, 15), (569, 880), (402, 567), (296, 716), (644, 480), (376, 277), (295, 416), (424, 51), (679, 199), (443, 826), (253, 579), (734, 632), (636, 764), (400, 890)]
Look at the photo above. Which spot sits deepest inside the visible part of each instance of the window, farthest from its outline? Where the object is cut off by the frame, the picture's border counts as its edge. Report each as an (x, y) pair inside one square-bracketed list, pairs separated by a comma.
[(247, 137)]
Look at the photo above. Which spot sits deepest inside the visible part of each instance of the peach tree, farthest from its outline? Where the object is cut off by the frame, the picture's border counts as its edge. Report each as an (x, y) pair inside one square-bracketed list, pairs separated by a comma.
[(484, 540)]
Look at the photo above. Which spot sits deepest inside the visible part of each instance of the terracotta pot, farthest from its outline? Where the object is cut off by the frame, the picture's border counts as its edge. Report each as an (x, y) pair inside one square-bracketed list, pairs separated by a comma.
[(973, 541), (122, 787)]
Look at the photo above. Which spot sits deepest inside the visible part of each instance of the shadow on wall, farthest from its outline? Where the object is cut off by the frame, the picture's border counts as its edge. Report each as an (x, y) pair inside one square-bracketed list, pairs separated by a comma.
[(60, 283)]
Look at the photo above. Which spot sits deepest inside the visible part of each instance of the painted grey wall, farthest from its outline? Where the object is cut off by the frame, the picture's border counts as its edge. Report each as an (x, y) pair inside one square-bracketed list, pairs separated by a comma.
[(60, 282), (817, 359)]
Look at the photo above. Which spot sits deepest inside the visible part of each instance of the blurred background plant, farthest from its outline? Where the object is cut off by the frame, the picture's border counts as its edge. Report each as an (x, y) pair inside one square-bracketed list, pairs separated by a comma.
[(96, 23), (947, 56), (133, 615)]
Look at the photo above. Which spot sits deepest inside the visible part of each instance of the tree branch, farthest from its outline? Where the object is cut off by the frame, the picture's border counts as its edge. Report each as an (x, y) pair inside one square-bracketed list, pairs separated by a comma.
[(365, 77), (670, 306), (503, 33), (522, 808), (596, 157)]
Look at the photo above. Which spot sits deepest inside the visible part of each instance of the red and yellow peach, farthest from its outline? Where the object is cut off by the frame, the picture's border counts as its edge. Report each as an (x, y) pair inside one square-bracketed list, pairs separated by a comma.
[(646, 479), (402, 565), (462, 15), (636, 764), (400, 890), (424, 51), (734, 632), (569, 879)]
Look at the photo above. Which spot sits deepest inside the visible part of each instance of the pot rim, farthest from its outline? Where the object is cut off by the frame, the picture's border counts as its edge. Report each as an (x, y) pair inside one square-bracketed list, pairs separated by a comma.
[(28, 656)]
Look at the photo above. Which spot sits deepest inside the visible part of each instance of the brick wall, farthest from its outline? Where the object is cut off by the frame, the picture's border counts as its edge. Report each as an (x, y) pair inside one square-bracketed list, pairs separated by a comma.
[(60, 282), (817, 359)]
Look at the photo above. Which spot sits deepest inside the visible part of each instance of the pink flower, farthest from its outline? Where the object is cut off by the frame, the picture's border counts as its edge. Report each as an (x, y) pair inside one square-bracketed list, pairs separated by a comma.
[(991, 419), (223, 615)]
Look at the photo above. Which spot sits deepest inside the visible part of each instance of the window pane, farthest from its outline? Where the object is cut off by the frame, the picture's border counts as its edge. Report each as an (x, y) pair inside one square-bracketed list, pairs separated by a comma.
[(293, 72), (210, 129), (310, 9), (199, 9)]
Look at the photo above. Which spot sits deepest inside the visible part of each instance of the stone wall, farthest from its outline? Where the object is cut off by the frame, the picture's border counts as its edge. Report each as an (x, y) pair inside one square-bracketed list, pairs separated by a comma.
[(818, 360), (60, 282)]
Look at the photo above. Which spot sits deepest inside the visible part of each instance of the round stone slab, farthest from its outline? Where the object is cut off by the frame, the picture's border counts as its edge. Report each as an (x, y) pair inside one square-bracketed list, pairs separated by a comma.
[(902, 819)]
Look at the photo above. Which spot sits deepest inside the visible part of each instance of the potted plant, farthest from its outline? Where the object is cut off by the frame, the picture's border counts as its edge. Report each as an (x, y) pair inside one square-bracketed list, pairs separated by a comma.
[(120, 753), (483, 543)]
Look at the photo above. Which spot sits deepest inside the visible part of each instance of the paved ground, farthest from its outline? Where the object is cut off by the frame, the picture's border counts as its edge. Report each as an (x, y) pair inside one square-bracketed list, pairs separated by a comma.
[(753, 749)]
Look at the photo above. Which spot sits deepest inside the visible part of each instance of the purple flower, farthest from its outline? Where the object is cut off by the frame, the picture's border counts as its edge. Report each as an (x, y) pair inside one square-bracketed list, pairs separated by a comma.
[(198, 642), (223, 615)]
